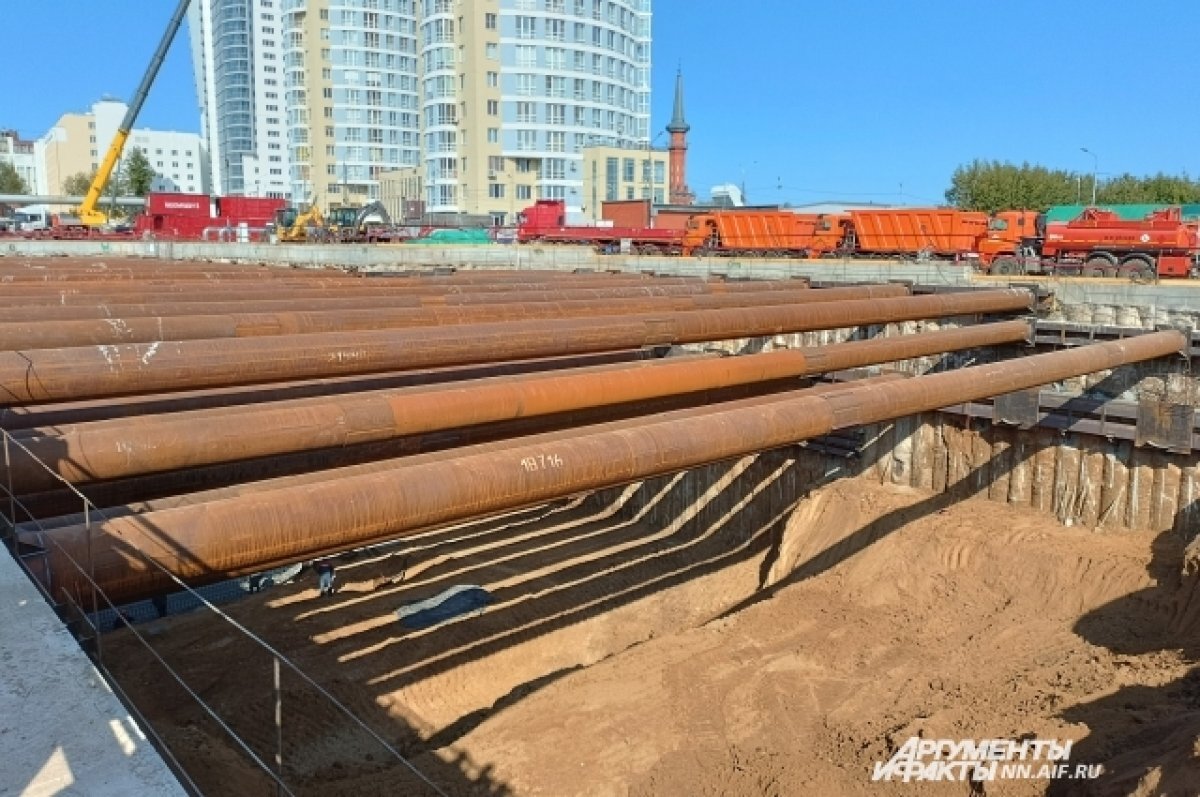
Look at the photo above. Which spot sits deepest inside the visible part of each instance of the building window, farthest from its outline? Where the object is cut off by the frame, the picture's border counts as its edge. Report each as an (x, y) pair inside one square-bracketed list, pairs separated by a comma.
[(496, 190), (492, 50), (493, 135), (524, 192), (493, 107), (493, 79), (489, 21)]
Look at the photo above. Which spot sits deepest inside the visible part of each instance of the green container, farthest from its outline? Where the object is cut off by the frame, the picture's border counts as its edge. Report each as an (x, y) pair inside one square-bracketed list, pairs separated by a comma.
[(1126, 212), (454, 237)]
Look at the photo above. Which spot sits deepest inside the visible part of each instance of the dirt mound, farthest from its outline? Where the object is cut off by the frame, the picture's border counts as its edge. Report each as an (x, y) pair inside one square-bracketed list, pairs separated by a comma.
[(892, 621), (702, 656)]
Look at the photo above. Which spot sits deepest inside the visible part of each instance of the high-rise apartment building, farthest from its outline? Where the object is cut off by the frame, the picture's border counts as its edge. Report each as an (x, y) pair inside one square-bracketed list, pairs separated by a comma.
[(237, 60), (351, 76), (474, 106), (537, 82)]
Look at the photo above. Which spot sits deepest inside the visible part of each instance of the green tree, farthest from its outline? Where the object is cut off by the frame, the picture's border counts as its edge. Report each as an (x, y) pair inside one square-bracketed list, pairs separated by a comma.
[(77, 184), (10, 181), (139, 174), (1124, 189), (993, 186)]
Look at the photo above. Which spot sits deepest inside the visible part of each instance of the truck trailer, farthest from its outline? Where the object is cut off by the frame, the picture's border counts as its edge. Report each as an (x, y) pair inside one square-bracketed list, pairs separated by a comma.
[(750, 233), (545, 222)]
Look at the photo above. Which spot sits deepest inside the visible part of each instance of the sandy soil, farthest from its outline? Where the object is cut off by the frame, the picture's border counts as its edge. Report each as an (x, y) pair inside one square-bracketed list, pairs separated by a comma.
[(623, 660)]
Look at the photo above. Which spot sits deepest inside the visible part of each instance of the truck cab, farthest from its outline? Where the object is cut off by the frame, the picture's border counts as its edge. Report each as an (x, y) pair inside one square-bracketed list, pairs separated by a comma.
[(32, 218), (1007, 232)]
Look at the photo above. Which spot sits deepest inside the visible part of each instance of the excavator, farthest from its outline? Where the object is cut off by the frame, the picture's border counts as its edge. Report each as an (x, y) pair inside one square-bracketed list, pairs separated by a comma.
[(346, 224), (88, 215), (354, 225), (293, 225)]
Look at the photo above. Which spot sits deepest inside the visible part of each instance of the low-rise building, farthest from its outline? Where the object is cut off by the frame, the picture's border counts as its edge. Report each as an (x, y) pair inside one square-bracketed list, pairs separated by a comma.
[(77, 143), (19, 154)]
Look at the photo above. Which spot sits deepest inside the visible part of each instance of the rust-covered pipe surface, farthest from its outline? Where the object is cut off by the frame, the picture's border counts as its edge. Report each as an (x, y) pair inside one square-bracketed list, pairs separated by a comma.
[(116, 449), (22, 420), (421, 453), (203, 304), (243, 534), (417, 295), (61, 334), (41, 375), (182, 271)]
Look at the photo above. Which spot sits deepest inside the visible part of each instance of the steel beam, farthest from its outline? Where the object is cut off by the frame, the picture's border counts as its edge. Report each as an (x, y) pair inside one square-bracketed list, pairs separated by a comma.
[(43, 375)]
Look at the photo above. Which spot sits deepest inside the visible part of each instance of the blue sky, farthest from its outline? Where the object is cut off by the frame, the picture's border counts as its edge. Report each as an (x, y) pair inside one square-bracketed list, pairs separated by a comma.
[(803, 101)]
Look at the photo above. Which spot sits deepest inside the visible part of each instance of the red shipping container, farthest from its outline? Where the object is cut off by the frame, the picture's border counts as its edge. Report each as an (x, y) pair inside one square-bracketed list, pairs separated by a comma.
[(179, 204)]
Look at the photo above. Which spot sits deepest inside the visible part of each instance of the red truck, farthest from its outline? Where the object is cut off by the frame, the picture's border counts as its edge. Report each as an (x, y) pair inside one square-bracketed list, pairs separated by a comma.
[(187, 216), (545, 222), (1098, 243)]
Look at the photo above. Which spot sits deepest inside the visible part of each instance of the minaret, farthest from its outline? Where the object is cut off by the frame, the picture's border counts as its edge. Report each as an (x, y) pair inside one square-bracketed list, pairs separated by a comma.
[(678, 128)]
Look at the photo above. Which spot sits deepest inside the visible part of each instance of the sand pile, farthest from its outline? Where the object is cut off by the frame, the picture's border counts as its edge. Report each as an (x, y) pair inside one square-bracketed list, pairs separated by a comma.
[(623, 659)]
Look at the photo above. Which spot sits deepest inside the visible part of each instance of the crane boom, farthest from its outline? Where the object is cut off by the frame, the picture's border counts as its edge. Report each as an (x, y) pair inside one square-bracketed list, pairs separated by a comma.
[(88, 214)]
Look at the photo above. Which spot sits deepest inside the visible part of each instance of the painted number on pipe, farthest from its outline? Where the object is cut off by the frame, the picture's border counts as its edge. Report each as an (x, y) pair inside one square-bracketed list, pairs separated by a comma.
[(541, 462)]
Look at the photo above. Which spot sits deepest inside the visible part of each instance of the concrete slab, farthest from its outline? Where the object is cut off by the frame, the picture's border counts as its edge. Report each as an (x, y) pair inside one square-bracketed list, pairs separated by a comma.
[(62, 731)]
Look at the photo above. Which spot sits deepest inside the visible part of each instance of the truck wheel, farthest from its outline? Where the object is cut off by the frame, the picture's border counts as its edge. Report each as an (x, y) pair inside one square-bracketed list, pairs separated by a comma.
[(1137, 268), (1005, 265), (1095, 266)]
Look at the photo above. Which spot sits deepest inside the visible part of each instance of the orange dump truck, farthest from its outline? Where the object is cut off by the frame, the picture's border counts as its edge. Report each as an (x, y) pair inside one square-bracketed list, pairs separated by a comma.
[(906, 231), (932, 232), (750, 233)]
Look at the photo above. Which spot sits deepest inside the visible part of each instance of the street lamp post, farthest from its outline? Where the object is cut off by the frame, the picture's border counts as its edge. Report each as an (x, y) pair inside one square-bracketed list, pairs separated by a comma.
[(1095, 171)]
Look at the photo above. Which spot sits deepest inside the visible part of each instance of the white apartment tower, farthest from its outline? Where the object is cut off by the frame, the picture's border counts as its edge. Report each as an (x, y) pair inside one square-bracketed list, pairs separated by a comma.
[(237, 58), (481, 105), (351, 79)]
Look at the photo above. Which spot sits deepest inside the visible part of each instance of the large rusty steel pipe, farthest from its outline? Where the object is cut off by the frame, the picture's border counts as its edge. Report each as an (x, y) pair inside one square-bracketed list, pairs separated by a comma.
[(234, 536), (117, 449), (202, 305), (41, 375), (118, 492), (177, 270), (21, 420), (144, 293), (62, 334), (261, 483)]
